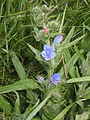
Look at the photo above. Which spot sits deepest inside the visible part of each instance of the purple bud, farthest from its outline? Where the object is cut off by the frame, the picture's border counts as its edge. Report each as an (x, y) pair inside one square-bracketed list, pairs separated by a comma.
[(58, 39), (40, 79)]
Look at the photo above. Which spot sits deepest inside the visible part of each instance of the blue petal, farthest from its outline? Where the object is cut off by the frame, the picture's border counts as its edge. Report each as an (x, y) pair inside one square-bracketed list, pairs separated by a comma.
[(52, 48), (46, 47), (52, 55), (48, 52), (58, 39), (56, 78), (55, 82), (43, 53)]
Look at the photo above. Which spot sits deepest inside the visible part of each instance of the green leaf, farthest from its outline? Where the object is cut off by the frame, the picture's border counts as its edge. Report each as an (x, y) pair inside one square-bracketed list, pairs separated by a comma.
[(59, 117), (64, 43), (86, 94), (38, 56), (67, 57), (83, 116), (78, 53), (20, 85), (29, 109), (33, 113), (82, 79), (88, 28), (18, 66), (80, 103), (8, 6), (68, 37), (70, 64), (17, 104), (35, 51), (5, 105), (61, 25), (72, 43)]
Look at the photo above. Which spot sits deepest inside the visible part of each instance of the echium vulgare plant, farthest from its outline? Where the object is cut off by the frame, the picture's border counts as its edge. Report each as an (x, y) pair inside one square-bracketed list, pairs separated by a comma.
[(52, 81), (52, 78), (49, 54)]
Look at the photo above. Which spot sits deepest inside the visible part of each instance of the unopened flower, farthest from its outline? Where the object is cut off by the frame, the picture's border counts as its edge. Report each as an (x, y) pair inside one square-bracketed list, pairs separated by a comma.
[(46, 30), (58, 39), (55, 79), (40, 78), (48, 52)]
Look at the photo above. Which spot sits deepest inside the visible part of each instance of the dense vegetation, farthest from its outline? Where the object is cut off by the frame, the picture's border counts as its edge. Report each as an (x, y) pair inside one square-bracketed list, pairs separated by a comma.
[(26, 88)]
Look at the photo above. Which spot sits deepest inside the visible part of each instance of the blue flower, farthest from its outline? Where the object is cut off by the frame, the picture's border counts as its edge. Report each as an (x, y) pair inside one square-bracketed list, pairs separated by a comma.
[(56, 78), (48, 52), (58, 39), (40, 78)]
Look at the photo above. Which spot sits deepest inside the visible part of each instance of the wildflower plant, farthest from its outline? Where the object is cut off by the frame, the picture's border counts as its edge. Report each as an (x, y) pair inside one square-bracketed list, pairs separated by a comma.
[(54, 48), (49, 79)]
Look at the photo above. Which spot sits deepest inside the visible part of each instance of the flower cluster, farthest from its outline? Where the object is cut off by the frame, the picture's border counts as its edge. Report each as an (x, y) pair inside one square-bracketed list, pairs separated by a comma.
[(49, 53)]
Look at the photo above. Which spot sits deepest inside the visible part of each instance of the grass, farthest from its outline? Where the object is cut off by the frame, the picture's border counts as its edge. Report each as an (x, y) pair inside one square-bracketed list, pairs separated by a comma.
[(22, 38)]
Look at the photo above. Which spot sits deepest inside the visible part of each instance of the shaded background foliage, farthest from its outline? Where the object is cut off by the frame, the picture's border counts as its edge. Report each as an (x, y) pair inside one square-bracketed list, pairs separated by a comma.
[(23, 22)]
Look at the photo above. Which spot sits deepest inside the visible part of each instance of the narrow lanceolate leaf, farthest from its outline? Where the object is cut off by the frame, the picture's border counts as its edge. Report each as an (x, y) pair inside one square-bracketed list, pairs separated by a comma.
[(87, 27), (59, 117), (34, 112), (64, 43), (67, 57), (38, 56), (5, 105), (73, 42), (62, 49), (8, 6), (82, 79), (68, 37), (61, 25), (78, 53), (18, 66), (17, 104), (86, 94), (83, 116), (70, 64), (36, 52), (20, 85), (29, 109)]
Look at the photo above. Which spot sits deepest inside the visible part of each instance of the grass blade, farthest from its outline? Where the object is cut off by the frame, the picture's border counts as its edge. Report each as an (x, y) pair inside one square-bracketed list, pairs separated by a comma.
[(5, 105), (61, 25), (33, 113), (59, 117), (82, 79)]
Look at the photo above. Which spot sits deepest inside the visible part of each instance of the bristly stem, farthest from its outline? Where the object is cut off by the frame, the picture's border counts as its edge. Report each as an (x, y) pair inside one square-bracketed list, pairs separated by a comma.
[(49, 70), (64, 67), (53, 63)]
